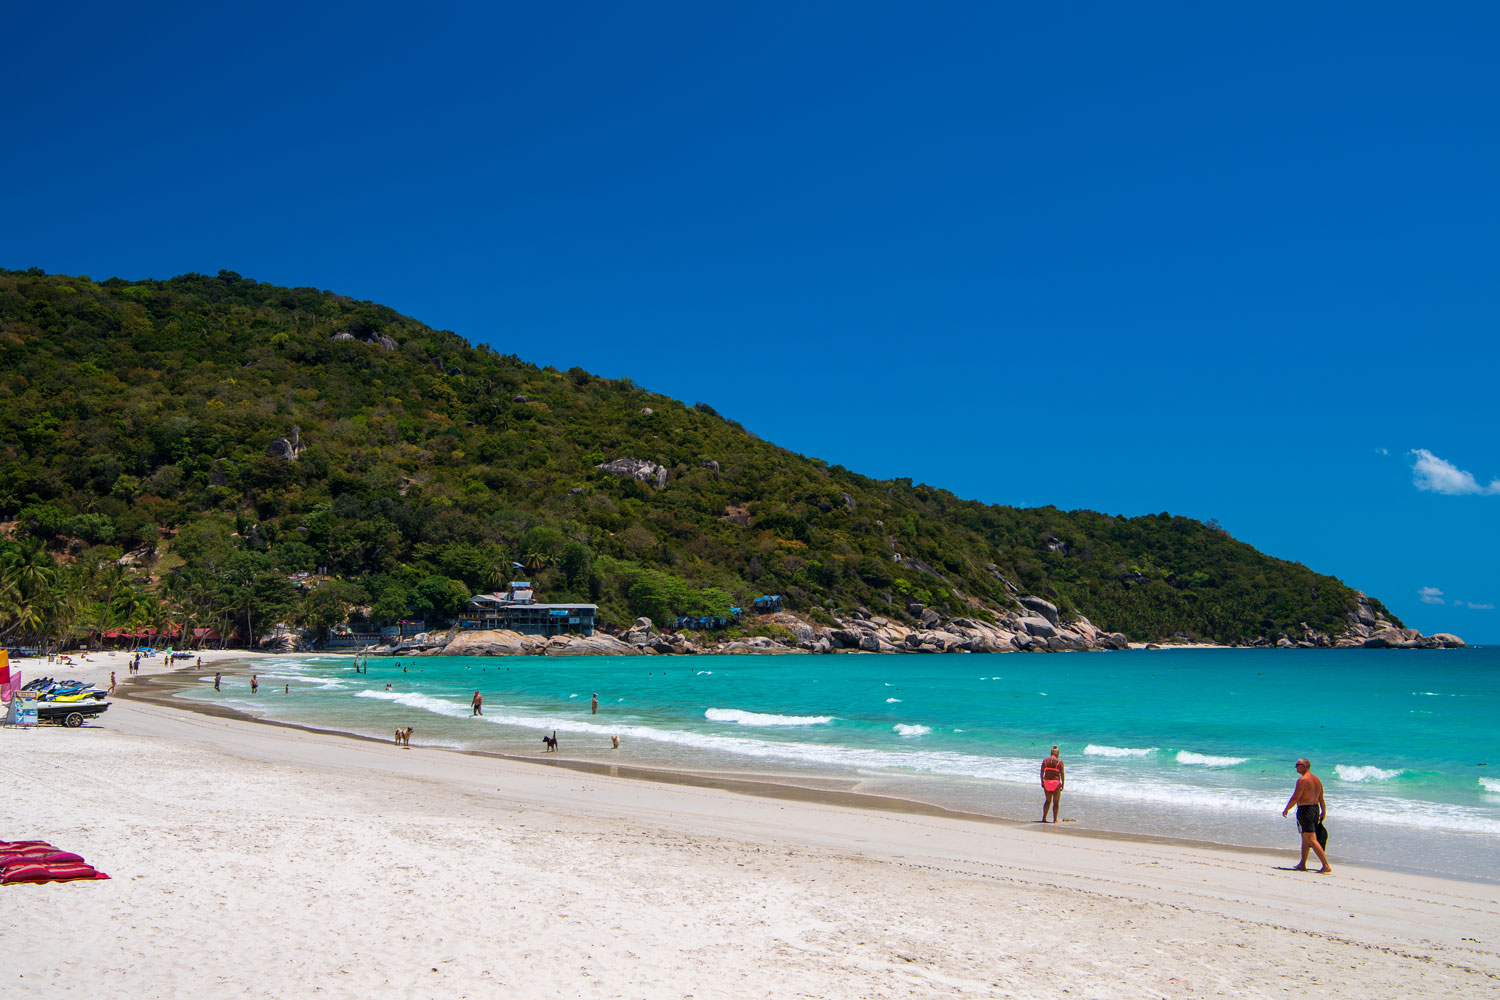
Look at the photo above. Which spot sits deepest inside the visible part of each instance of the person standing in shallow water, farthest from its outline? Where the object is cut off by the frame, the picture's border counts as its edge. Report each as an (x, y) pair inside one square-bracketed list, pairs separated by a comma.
[(1307, 796), (1054, 776), (477, 705), (254, 683), (216, 681), (594, 708)]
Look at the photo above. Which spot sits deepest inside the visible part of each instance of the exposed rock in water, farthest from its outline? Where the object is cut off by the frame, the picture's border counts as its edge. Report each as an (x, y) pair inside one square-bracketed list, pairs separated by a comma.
[(598, 644)]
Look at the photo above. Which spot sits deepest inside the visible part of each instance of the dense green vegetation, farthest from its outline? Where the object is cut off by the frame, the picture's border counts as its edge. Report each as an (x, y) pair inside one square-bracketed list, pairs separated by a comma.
[(138, 416)]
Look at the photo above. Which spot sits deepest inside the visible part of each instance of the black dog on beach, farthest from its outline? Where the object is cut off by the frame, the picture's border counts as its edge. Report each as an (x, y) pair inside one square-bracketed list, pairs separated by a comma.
[(551, 742)]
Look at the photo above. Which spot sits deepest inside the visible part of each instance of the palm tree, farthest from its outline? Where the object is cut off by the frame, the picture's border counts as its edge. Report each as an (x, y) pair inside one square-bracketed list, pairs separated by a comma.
[(29, 566), (498, 571), (22, 612)]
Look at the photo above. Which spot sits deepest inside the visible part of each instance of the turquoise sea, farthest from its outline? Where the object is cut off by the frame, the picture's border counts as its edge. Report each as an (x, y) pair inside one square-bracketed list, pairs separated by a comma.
[(1195, 744)]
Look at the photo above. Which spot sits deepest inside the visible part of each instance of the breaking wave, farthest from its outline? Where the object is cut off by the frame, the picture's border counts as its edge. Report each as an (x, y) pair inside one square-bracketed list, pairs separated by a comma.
[(1365, 772), (1207, 760), (1096, 750), (741, 718)]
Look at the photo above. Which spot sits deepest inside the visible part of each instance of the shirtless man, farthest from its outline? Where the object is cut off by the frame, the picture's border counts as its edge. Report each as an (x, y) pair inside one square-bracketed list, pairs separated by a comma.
[(1053, 779), (477, 705), (1307, 796)]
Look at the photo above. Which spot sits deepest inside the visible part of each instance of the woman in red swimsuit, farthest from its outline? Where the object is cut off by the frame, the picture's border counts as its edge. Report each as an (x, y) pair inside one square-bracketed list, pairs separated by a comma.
[(1053, 779)]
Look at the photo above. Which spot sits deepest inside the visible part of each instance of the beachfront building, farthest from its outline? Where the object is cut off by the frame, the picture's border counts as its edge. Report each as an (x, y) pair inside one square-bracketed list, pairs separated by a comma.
[(351, 635), (516, 609), (402, 630)]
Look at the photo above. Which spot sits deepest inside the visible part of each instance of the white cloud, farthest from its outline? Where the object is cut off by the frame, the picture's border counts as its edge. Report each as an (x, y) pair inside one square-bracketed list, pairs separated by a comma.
[(1430, 595), (1432, 473), (1382, 451), (1480, 607)]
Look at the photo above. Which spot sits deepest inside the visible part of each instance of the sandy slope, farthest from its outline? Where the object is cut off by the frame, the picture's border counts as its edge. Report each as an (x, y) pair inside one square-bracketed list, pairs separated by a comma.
[(257, 861)]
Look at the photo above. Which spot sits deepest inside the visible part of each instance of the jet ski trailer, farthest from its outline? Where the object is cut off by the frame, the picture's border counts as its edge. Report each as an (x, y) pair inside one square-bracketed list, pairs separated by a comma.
[(69, 713)]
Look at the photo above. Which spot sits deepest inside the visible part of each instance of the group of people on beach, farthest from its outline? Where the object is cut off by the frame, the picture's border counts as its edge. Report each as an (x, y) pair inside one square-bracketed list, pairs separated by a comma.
[(1307, 797)]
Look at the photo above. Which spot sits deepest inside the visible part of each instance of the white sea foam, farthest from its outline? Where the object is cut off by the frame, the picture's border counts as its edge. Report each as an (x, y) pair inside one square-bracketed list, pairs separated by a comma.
[(903, 729), (425, 702), (1098, 750), (1207, 760), (572, 696), (741, 718), (893, 701), (703, 673), (1491, 785), (1347, 772)]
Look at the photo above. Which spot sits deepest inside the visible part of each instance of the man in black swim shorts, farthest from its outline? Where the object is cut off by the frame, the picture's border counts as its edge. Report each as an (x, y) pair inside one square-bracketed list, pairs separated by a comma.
[(1307, 796)]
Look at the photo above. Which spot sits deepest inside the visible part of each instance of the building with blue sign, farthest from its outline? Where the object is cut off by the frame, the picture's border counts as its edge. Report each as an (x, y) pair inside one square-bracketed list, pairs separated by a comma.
[(515, 609)]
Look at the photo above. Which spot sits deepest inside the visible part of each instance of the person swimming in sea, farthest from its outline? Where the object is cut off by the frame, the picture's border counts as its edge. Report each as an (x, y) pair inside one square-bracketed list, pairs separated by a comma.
[(1053, 779)]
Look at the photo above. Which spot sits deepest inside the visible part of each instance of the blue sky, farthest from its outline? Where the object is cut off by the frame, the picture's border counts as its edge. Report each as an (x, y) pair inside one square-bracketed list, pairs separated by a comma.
[(1234, 264)]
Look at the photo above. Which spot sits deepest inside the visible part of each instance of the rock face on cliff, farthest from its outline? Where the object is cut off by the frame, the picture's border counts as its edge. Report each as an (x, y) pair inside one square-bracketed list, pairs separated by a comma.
[(636, 468), (287, 449)]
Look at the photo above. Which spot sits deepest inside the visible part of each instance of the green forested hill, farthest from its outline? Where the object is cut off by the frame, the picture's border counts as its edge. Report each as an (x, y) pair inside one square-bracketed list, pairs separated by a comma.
[(138, 417)]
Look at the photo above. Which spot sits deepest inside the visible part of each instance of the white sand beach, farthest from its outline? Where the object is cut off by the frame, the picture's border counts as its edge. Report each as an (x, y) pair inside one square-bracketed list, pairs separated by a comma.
[(251, 860), (96, 666)]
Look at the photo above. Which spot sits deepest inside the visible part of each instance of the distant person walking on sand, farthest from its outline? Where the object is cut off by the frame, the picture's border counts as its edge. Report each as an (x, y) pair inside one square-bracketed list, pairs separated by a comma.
[(594, 708), (1307, 796), (1053, 779), (200, 661), (254, 683), (477, 705), (216, 681), (111, 682)]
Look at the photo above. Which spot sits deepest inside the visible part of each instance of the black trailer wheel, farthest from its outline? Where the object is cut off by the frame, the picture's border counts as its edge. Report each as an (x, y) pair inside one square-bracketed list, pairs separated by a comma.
[(74, 720)]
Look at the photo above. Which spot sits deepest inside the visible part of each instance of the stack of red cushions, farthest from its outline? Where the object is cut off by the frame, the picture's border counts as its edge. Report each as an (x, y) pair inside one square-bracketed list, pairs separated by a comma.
[(39, 861)]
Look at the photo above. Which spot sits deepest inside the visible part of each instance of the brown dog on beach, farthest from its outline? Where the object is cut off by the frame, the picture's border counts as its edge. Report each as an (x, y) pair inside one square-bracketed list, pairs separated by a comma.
[(403, 737)]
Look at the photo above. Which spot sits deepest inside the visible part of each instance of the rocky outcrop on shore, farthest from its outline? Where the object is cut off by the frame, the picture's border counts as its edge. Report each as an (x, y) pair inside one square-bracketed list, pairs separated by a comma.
[(1364, 629), (1035, 626), (502, 642), (1039, 627)]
